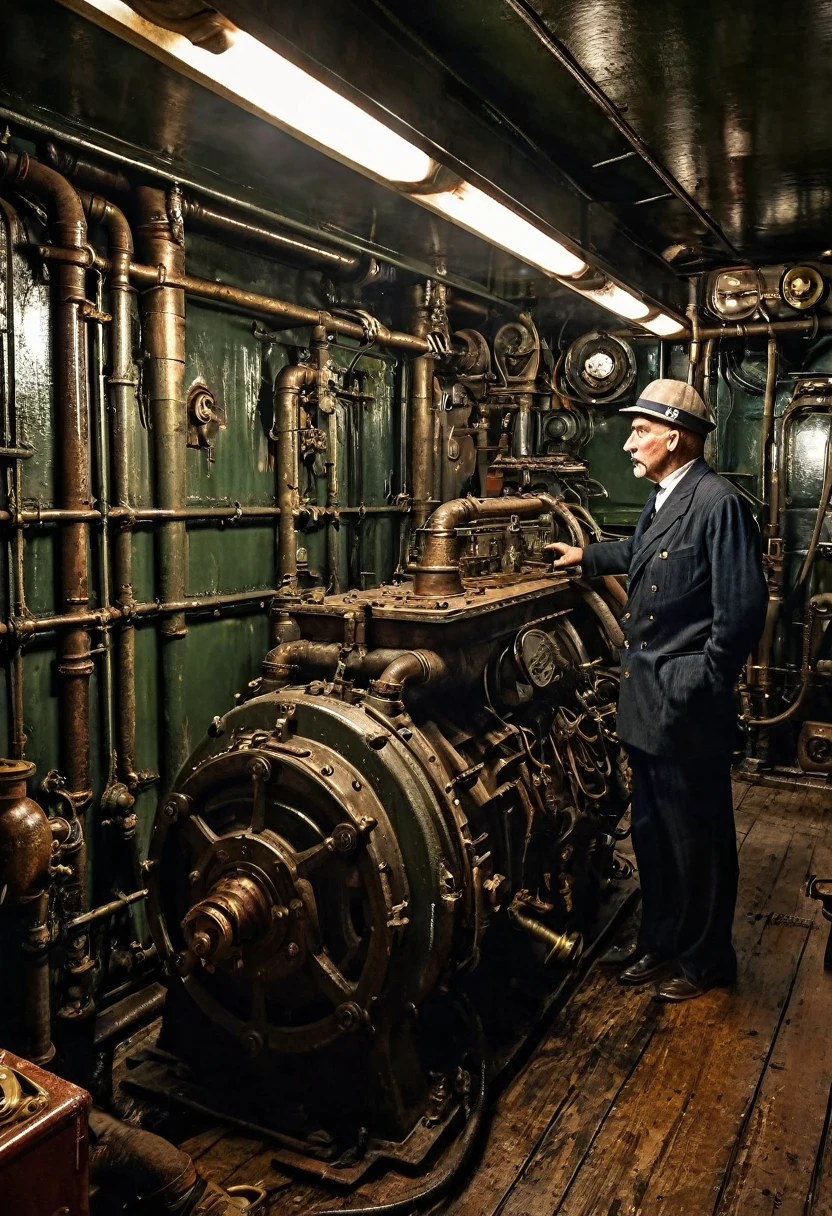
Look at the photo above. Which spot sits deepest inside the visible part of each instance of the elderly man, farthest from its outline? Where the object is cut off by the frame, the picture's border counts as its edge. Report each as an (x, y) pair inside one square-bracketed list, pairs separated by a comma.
[(696, 608)]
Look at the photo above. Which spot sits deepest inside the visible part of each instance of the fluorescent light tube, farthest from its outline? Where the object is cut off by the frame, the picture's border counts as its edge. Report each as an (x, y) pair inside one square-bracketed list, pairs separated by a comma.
[(276, 89), (475, 210), (664, 326), (617, 300)]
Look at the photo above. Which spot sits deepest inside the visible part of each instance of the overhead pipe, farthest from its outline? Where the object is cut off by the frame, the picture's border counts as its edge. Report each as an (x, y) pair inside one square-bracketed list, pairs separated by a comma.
[(75, 664), (163, 344), (159, 276), (338, 264), (121, 389)]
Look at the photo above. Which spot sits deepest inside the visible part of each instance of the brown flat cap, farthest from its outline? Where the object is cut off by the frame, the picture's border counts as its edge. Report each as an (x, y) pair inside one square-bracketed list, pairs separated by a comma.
[(675, 403)]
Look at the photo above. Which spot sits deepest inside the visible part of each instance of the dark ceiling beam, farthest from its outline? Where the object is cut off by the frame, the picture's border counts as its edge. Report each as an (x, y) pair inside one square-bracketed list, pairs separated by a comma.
[(526, 13)]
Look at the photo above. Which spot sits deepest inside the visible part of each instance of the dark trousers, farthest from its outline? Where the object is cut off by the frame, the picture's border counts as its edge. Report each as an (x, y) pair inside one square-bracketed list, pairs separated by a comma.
[(686, 849)]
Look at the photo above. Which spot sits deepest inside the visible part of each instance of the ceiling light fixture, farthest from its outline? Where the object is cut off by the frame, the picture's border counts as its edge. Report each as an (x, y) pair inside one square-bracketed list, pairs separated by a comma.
[(254, 74), (483, 215), (664, 326), (615, 299)]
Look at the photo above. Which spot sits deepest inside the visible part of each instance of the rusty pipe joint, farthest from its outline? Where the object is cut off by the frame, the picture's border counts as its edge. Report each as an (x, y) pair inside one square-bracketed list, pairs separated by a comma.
[(411, 667)]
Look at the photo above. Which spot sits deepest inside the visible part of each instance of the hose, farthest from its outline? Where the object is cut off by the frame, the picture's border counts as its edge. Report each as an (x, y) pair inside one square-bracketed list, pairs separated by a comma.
[(465, 1146)]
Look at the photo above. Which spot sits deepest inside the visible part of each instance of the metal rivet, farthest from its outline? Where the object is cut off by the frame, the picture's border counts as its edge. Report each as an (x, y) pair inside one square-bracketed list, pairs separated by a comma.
[(626, 675), (327, 770), (643, 645), (663, 553), (654, 587), (356, 785)]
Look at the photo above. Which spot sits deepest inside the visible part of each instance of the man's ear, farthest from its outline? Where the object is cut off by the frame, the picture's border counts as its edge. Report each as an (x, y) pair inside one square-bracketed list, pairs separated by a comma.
[(673, 441)]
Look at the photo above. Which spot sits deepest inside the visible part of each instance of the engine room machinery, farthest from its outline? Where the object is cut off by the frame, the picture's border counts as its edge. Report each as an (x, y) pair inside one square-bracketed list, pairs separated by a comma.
[(425, 760)]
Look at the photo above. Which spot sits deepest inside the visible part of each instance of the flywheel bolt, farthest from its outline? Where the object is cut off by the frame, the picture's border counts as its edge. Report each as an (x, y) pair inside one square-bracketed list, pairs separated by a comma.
[(251, 1042), (349, 1016), (345, 838)]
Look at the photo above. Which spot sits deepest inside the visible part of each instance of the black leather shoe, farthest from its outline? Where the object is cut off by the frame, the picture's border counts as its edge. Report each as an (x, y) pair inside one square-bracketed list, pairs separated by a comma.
[(643, 970), (618, 956), (678, 988)]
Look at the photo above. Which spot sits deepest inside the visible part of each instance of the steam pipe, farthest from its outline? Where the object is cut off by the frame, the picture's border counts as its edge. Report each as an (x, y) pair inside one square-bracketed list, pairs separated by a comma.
[(121, 386), (250, 301), (325, 656), (770, 493), (819, 605), (291, 380), (422, 457), (158, 276), (281, 244), (163, 337), (413, 666), (75, 665)]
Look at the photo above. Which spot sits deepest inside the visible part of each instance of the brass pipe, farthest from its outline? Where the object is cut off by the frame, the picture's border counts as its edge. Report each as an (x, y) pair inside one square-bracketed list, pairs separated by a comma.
[(819, 606), (160, 276), (250, 301), (692, 311), (328, 407), (564, 948), (413, 666), (103, 618), (422, 412), (290, 382), (770, 493), (121, 390), (163, 342), (204, 217), (301, 654), (748, 329), (74, 663), (769, 474)]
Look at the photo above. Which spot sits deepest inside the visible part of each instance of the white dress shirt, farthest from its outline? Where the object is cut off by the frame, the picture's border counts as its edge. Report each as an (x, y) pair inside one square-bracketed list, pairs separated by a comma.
[(670, 483)]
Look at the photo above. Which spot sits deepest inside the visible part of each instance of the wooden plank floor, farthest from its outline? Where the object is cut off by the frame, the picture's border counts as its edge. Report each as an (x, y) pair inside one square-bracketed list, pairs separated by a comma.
[(720, 1107)]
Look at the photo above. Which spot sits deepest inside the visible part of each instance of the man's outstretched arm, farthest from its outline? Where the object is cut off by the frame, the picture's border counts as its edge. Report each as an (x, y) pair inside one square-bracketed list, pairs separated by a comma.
[(607, 557)]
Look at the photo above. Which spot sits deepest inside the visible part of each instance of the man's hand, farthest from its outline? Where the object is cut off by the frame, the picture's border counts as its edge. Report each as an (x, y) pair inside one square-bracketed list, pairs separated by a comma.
[(565, 555)]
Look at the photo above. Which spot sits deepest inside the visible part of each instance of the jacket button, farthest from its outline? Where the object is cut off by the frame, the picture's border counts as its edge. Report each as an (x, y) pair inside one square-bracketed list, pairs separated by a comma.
[(654, 587), (643, 645), (651, 617), (626, 675), (626, 644), (663, 553)]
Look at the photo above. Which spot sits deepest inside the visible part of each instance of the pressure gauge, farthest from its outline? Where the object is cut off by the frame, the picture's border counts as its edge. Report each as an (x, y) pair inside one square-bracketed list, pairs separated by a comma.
[(802, 287), (600, 368)]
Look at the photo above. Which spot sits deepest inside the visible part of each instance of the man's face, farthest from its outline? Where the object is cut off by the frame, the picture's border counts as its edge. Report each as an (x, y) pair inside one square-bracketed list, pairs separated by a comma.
[(651, 446)]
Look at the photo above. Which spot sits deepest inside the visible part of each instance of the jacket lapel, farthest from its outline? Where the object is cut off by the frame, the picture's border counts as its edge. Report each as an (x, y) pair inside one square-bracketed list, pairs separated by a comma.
[(673, 508)]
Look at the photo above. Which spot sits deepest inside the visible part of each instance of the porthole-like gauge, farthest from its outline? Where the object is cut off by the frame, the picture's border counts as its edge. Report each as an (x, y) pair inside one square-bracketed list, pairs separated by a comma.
[(802, 287), (734, 294), (600, 368)]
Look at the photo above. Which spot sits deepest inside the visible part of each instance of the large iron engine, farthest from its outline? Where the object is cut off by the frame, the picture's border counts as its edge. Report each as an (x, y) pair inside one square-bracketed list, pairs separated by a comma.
[(417, 763)]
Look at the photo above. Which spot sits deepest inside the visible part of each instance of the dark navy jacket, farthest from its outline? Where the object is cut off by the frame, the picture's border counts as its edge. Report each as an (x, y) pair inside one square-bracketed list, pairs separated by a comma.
[(696, 607)]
